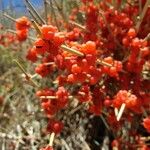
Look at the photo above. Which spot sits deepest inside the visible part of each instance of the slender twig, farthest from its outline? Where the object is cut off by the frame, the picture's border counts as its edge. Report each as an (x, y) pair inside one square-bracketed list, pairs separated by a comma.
[(116, 111), (71, 50), (26, 74), (105, 123), (34, 11), (60, 11), (49, 63), (54, 15), (51, 97), (140, 6), (147, 37), (103, 63), (37, 28), (76, 109), (86, 146), (46, 11), (48, 97), (9, 17), (144, 111), (33, 16), (51, 140), (142, 15), (78, 25), (65, 144), (20, 66), (122, 108)]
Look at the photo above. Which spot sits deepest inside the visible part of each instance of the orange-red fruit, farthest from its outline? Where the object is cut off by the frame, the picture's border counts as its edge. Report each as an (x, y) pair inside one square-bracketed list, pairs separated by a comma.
[(41, 46), (32, 55), (48, 32), (22, 23), (55, 126), (76, 69), (146, 124), (89, 48), (107, 102), (131, 33), (22, 35)]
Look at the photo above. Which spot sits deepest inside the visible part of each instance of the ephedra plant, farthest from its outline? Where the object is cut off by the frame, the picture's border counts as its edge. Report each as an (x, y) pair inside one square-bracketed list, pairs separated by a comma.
[(97, 53)]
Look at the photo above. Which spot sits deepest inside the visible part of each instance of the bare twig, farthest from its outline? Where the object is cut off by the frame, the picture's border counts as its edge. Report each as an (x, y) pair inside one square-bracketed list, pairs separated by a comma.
[(142, 15), (34, 11), (37, 28), (77, 25), (9, 17), (73, 51), (46, 11)]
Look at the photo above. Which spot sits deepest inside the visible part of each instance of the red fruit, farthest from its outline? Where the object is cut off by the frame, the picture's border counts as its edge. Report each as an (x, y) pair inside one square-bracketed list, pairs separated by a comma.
[(136, 42), (22, 23), (54, 126), (146, 124), (115, 143), (42, 70), (120, 98), (76, 69), (41, 46), (95, 109), (131, 33), (71, 78), (108, 60), (84, 94), (125, 41), (59, 38), (48, 31), (32, 55), (62, 97), (107, 102), (131, 102), (39, 93), (89, 48), (22, 35), (46, 105), (113, 71), (145, 52)]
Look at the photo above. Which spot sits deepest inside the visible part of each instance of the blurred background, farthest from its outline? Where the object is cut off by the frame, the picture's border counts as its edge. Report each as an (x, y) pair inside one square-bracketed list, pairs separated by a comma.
[(17, 5)]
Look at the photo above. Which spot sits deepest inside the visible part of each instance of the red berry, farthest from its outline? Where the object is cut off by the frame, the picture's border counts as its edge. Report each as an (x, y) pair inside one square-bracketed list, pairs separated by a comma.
[(131, 33)]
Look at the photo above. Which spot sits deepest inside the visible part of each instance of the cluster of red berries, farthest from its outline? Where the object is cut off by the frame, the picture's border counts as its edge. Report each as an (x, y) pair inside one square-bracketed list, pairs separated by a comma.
[(105, 58), (6, 39), (123, 96), (52, 101), (22, 27), (116, 67), (146, 124)]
